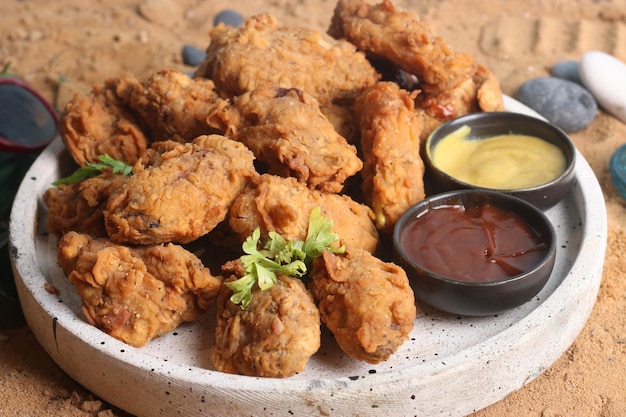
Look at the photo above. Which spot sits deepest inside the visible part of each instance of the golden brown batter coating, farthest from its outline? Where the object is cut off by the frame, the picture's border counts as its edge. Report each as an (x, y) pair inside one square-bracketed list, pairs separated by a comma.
[(101, 124), (274, 336), (366, 303), (263, 53), (283, 205), (393, 172), (79, 206), (136, 293), (174, 106), (287, 131), (183, 196)]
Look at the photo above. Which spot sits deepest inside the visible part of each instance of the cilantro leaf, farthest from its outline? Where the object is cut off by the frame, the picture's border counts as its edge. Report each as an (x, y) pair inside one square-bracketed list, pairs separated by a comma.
[(92, 170), (280, 256), (319, 236)]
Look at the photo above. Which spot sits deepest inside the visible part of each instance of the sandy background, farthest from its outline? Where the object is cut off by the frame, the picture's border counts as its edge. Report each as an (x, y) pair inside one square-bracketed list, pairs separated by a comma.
[(66, 46)]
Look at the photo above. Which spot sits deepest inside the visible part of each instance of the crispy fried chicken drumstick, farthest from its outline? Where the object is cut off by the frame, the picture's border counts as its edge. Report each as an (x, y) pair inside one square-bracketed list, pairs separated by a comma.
[(451, 81), (184, 196), (366, 303), (393, 172), (100, 123), (136, 293), (274, 336), (174, 106), (263, 53), (286, 130), (283, 205)]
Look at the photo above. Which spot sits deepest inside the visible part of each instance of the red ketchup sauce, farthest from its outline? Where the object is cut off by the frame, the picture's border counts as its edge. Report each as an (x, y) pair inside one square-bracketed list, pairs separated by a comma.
[(483, 243)]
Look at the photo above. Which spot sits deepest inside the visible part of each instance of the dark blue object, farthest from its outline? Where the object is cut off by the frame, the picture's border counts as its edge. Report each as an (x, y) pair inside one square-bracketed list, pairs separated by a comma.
[(27, 121), (229, 18), (567, 70), (618, 170), (564, 103), (193, 56)]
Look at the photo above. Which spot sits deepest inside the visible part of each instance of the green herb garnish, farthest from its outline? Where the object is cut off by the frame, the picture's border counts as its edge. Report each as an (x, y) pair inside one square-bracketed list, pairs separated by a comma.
[(279, 256), (92, 170)]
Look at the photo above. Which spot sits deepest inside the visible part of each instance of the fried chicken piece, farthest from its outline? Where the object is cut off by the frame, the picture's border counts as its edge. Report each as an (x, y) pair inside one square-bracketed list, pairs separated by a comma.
[(481, 92), (401, 37), (283, 205), (174, 106), (183, 196), (101, 124), (79, 206), (393, 173), (286, 130), (451, 81), (489, 94), (262, 53), (274, 336), (136, 293), (366, 303)]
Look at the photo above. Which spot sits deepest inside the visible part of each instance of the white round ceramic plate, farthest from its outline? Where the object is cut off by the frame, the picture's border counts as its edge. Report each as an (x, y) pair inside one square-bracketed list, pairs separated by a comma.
[(451, 366)]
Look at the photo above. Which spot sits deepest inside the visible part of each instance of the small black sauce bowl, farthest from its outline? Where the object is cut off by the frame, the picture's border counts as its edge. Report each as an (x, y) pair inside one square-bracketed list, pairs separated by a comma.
[(487, 124), (471, 298)]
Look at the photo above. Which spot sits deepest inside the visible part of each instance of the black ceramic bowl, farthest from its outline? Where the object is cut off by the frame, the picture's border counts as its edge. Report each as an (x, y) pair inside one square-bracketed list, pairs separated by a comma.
[(489, 124), (445, 266)]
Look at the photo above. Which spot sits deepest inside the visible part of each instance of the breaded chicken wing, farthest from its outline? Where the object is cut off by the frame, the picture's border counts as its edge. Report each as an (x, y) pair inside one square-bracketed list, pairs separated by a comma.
[(366, 303), (79, 206), (274, 336), (183, 196), (393, 173), (283, 205), (136, 293), (101, 124), (403, 38), (174, 106), (262, 53), (287, 131), (452, 83)]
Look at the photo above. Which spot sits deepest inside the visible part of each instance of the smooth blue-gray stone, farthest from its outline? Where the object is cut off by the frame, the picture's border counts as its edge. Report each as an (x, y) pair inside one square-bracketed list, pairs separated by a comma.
[(567, 70), (193, 56), (229, 18), (564, 103), (617, 166)]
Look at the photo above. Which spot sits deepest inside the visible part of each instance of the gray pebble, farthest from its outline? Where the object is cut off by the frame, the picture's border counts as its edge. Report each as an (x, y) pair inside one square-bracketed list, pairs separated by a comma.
[(567, 70), (193, 56), (564, 103), (229, 18)]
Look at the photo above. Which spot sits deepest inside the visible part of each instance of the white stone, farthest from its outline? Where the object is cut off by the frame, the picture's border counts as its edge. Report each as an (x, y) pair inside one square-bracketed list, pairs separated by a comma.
[(605, 77)]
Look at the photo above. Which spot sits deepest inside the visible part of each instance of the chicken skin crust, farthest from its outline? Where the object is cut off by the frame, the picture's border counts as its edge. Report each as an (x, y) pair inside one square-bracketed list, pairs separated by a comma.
[(262, 53), (274, 336), (283, 205), (101, 124), (183, 196), (79, 206), (174, 106), (366, 303), (393, 173), (286, 130), (135, 294)]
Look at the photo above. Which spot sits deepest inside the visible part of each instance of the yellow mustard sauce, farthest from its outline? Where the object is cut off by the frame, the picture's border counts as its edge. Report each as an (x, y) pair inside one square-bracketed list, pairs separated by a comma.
[(504, 162)]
